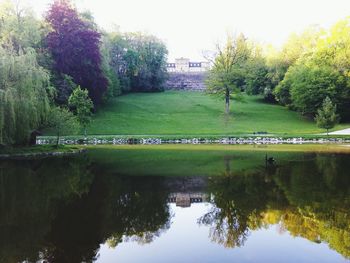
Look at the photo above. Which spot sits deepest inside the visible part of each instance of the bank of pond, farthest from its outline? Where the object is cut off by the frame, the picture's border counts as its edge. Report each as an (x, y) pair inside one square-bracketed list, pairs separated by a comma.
[(146, 203)]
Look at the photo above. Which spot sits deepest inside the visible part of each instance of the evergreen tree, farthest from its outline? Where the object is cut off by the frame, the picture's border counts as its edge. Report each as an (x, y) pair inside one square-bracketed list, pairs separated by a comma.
[(326, 117)]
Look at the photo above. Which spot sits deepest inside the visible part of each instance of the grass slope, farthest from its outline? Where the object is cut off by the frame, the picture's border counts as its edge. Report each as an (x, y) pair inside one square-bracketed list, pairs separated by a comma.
[(195, 113)]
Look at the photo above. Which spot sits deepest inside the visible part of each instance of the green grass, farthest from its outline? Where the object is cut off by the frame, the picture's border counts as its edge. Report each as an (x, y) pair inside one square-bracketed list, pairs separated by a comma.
[(195, 113)]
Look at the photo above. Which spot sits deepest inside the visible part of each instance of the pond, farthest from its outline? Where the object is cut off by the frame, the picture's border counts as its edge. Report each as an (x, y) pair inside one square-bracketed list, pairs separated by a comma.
[(178, 204)]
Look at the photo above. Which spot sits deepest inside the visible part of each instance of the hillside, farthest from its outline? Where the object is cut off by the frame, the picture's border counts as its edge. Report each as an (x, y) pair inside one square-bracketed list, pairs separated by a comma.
[(195, 113)]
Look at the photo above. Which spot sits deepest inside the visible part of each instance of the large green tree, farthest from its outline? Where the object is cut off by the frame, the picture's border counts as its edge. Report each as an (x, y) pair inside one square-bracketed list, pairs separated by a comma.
[(225, 78)]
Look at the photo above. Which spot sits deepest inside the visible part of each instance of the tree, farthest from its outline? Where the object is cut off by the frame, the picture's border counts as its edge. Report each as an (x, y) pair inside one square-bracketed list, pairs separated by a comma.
[(138, 60), (305, 86), (327, 117), (62, 122), (255, 75), (147, 57), (225, 77), (19, 28), (82, 105), (74, 46), (24, 95)]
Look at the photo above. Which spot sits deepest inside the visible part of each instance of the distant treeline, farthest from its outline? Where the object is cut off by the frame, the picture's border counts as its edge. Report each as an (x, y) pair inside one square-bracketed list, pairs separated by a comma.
[(43, 60), (309, 67)]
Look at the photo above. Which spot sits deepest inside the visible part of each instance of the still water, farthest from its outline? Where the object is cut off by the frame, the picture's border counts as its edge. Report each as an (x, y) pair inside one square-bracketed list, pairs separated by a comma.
[(185, 205)]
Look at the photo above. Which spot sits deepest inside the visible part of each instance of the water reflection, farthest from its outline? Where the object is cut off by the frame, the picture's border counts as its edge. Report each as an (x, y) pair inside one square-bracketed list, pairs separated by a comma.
[(63, 209)]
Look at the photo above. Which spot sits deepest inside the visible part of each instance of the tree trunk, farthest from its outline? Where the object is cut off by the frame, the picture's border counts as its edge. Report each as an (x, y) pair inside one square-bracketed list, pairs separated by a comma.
[(227, 100), (85, 132), (58, 139)]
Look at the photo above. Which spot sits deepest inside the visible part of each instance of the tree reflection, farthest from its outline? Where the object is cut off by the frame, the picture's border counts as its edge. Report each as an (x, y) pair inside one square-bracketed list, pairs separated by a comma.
[(239, 201), (61, 210), (309, 198)]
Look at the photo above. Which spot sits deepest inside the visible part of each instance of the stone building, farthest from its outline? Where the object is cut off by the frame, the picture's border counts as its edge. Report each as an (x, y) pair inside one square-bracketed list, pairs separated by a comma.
[(183, 65)]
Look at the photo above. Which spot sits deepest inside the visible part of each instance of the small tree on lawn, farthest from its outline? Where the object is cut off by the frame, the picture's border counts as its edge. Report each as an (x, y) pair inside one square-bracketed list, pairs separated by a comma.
[(63, 122), (327, 117), (82, 105)]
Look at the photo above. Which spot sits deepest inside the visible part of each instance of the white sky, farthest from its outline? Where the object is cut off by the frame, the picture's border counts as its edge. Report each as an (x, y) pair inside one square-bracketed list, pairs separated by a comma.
[(190, 26)]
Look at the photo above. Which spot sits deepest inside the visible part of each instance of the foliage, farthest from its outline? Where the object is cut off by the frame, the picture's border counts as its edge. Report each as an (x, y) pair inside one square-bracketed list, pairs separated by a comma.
[(256, 72), (82, 105), (64, 86), (310, 85), (24, 101), (138, 60), (146, 59), (62, 122), (326, 116), (225, 77), (114, 84), (305, 86), (74, 47), (319, 69), (19, 28)]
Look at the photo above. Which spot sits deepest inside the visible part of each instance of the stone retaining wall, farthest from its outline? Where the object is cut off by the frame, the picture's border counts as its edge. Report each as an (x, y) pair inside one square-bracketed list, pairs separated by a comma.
[(229, 140), (193, 81)]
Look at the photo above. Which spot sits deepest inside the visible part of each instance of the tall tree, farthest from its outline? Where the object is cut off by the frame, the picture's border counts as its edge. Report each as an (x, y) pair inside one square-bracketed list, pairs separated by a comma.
[(74, 46), (226, 76)]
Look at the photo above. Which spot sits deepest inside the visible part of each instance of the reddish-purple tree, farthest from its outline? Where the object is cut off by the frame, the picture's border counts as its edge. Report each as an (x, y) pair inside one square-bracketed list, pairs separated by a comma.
[(74, 47)]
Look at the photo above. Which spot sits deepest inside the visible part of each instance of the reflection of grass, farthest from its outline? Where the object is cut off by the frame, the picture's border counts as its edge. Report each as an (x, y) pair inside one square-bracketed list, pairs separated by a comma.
[(195, 113), (38, 149), (193, 160)]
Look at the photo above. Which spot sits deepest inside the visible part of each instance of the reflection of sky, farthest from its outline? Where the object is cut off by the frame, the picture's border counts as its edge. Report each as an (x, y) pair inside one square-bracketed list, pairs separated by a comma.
[(186, 241)]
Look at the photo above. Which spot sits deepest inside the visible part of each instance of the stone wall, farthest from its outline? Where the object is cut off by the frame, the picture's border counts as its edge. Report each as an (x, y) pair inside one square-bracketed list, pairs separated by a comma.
[(194, 81)]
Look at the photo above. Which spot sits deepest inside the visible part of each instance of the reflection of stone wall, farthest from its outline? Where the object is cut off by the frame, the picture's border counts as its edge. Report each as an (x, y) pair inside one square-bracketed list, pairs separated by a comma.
[(185, 191), (186, 81), (186, 199)]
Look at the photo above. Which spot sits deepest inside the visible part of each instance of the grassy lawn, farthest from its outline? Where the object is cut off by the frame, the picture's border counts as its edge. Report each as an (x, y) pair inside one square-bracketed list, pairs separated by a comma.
[(195, 113)]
